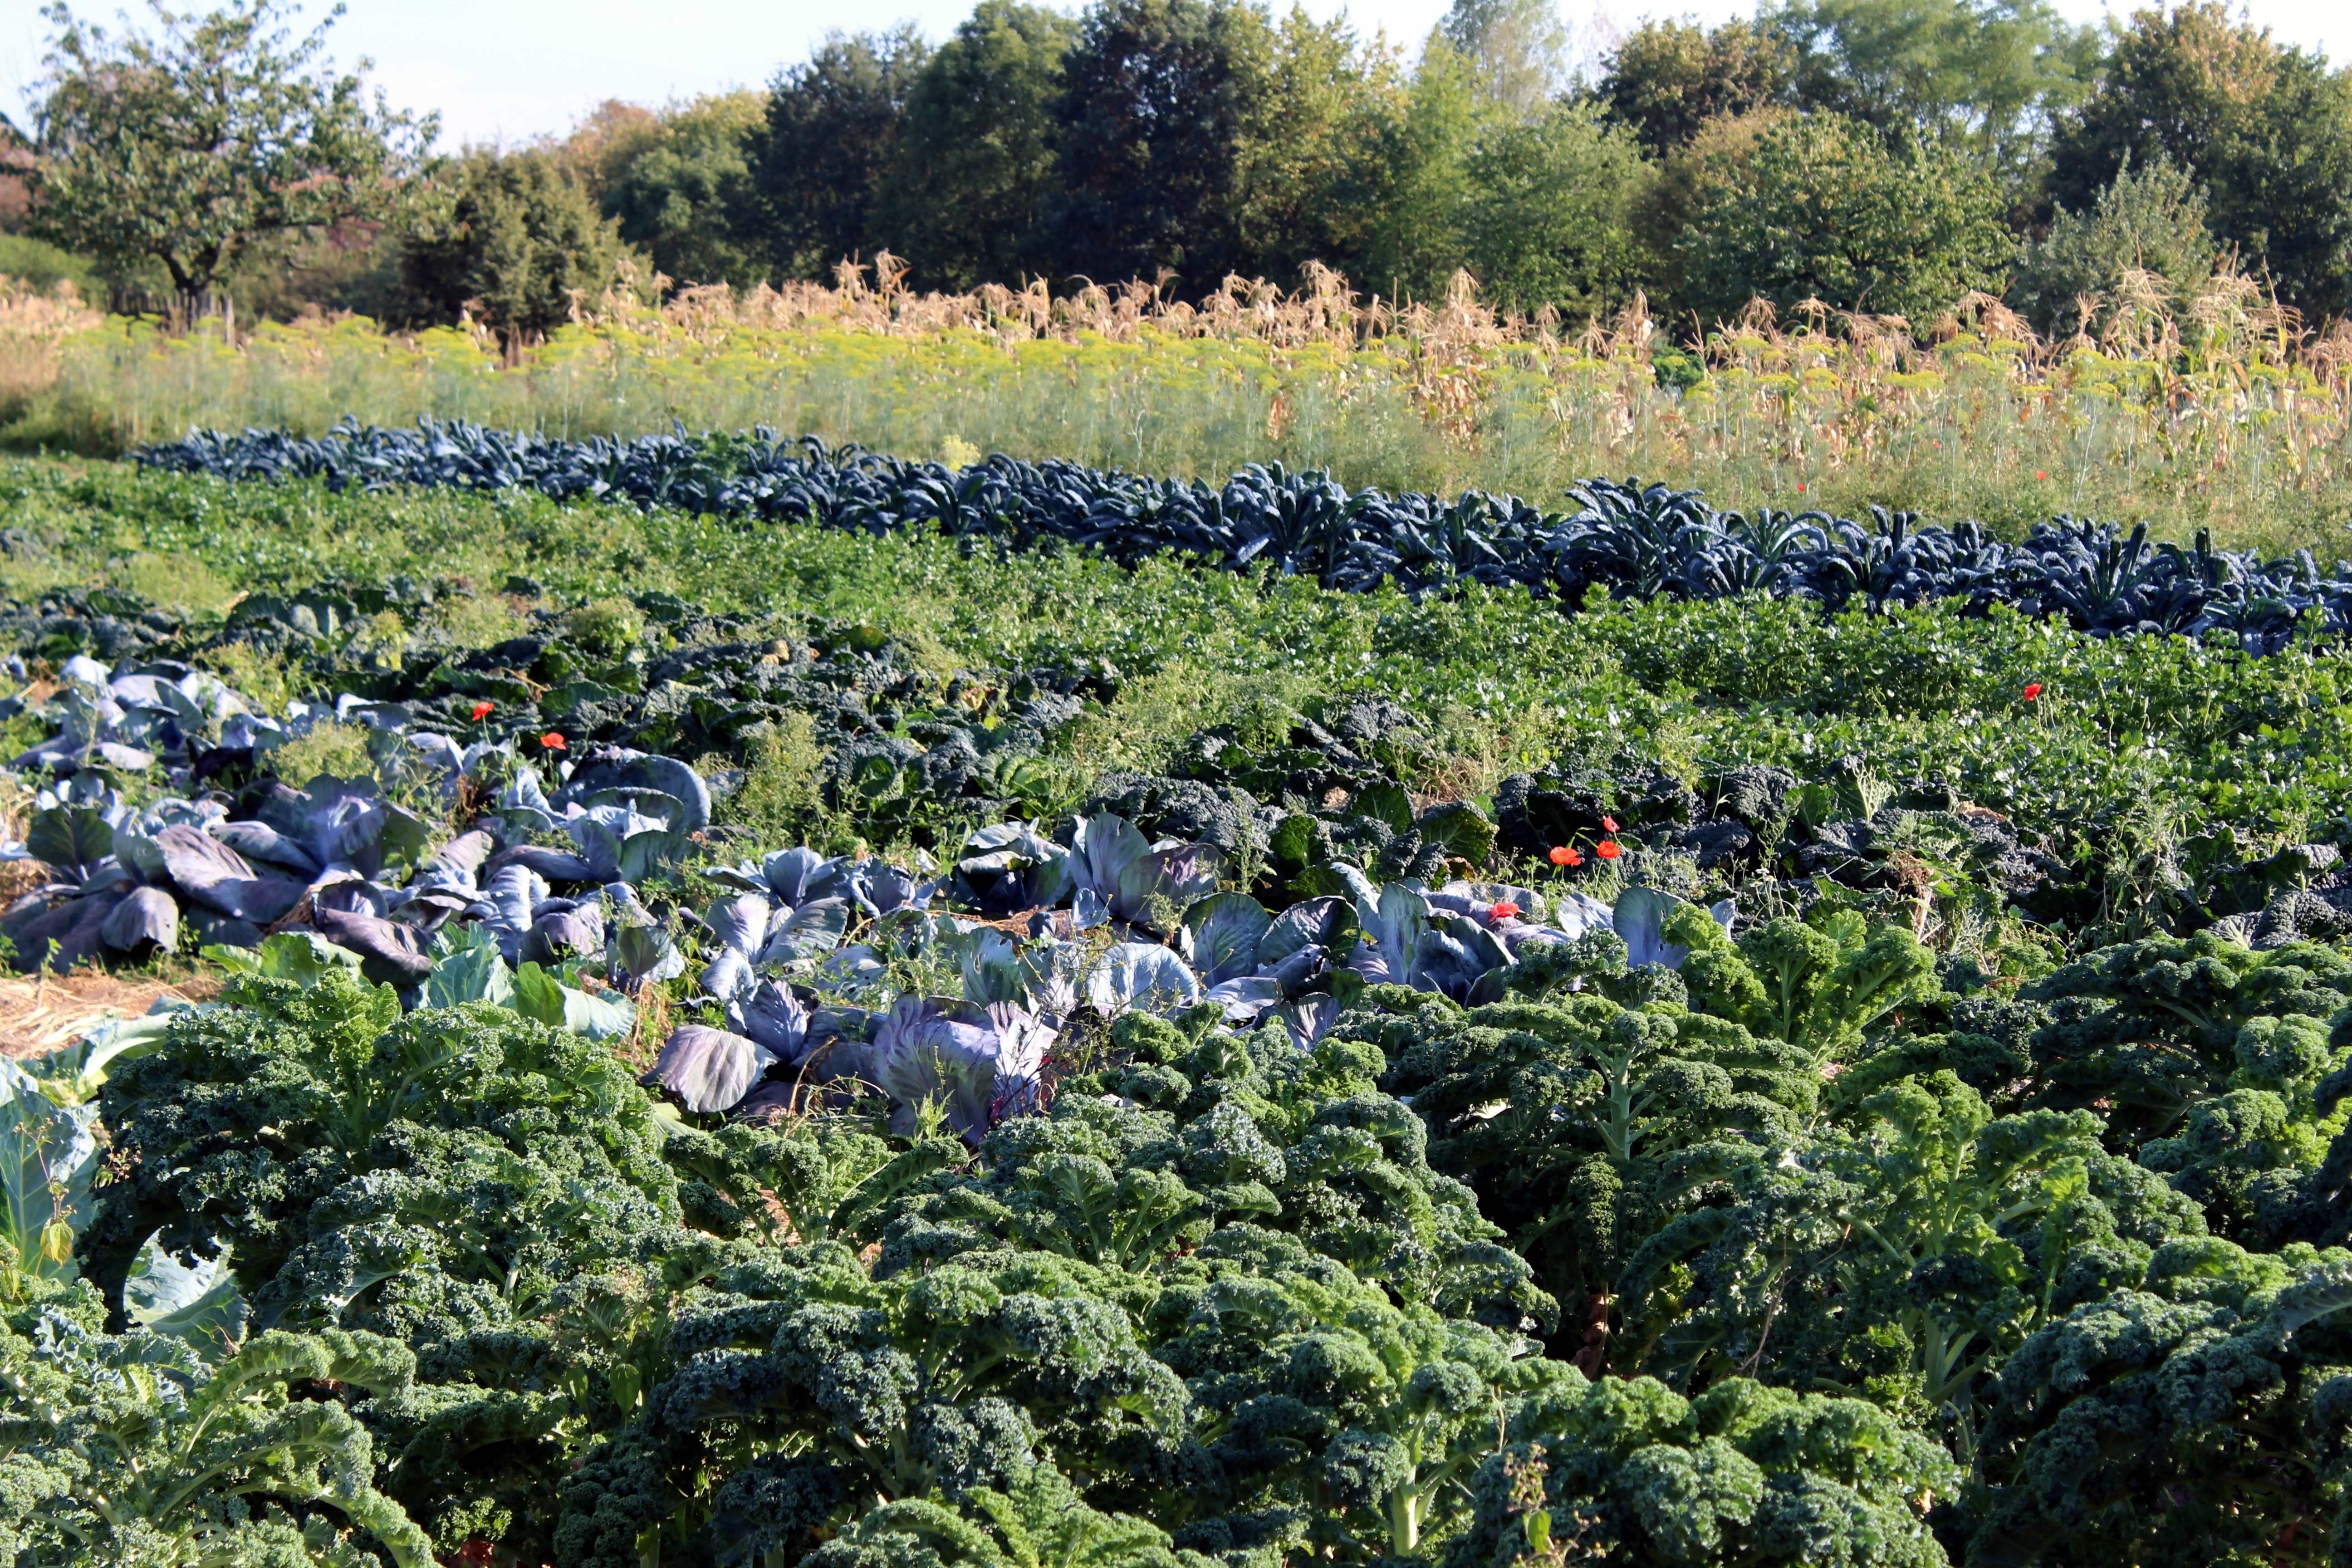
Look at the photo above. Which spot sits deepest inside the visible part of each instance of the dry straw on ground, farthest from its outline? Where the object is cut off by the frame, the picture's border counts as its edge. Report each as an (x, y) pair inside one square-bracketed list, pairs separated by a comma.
[(42, 1013)]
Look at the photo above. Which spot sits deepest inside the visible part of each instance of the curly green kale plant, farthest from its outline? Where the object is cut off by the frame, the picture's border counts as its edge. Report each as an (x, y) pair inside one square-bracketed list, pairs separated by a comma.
[(133, 1450), (1628, 1471), (1585, 1126)]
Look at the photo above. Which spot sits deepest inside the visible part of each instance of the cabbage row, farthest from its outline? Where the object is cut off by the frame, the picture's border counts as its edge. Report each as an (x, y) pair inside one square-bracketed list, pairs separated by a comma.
[(1624, 537)]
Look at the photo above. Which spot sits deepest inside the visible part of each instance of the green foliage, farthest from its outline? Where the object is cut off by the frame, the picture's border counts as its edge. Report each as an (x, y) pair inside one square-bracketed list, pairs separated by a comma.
[(2265, 130), (2146, 1030), (1157, 98), (823, 161), (1669, 77), (516, 236), (2222, 1378), (1992, 76), (1902, 1255), (974, 179), (1828, 208), (43, 267), (1231, 1129), (1549, 216), (2149, 219), (1316, 1382), (1746, 1473), (356, 1093), (1818, 984), (685, 195), (1584, 1126), (1516, 49), (49, 1164), (128, 1449), (188, 147), (825, 1389)]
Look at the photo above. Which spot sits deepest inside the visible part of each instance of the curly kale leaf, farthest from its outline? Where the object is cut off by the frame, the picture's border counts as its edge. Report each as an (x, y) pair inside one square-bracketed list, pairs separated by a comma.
[(248, 1116), (1584, 1126), (1312, 1382), (1628, 1470), (130, 1449), (1902, 1257), (2201, 1419), (924, 1385)]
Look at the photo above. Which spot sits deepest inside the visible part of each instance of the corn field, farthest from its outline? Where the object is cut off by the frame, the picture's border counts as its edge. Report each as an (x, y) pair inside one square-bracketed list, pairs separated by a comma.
[(2218, 410)]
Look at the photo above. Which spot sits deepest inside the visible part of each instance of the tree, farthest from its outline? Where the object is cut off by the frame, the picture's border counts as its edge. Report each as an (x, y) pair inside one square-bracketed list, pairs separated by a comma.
[(1826, 208), (1993, 74), (2149, 220), (187, 147), (1668, 79), (1417, 231), (1156, 100), (1315, 167), (967, 200), (605, 142), (1517, 48), (684, 190), (519, 240), (2267, 130), (830, 142), (1549, 213)]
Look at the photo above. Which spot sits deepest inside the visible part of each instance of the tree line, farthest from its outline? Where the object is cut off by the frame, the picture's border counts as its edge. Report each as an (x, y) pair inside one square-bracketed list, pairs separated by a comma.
[(1886, 156)]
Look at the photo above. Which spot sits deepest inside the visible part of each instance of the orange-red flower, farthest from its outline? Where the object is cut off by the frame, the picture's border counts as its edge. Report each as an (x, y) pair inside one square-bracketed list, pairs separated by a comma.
[(1563, 855), (1607, 849), (1504, 911), (2033, 690), (481, 712), (552, 741), (1609, 823), (2041, 474)]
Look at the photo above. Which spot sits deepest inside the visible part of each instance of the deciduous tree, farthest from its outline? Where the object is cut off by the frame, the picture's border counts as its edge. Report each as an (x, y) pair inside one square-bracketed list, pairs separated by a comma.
[(220, 129)]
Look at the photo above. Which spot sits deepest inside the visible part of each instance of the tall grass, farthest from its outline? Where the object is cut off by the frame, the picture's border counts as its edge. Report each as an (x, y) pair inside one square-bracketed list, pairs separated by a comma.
[(2217, 410)]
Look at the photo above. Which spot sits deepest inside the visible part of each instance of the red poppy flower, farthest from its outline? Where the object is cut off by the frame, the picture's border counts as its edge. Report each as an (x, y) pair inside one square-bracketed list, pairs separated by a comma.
[(1800, 487), (2033, 690), (2041, 474), (1609, 823), (481, 712), (1563, 855), (552, 741), (1607, 849), (1504, 911)]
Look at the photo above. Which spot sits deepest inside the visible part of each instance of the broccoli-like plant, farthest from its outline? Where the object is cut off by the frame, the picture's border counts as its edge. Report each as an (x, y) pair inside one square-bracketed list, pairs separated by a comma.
[(1904, 1257), (133, 1449), (1312, 1382), (1037, 1520), (1820, 982), (247, 1117), (2200, 1415), (2145, 1030), (461, 1179), (807, 1393), (1628, 1470), (1585, 1126)]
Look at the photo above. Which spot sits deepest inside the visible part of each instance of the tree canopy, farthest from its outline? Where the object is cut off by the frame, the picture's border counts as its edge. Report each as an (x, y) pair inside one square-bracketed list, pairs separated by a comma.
[(186, 145)]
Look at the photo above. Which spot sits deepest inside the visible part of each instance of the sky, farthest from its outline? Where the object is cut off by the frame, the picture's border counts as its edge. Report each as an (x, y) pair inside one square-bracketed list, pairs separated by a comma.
[(509, 70)]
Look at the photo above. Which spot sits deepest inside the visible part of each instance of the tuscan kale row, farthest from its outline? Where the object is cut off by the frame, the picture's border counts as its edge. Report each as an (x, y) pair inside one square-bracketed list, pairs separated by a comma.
[(1627, 537)]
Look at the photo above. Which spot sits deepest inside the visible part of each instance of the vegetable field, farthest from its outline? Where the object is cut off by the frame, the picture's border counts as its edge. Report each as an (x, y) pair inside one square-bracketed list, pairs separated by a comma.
[(785, 1006)]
